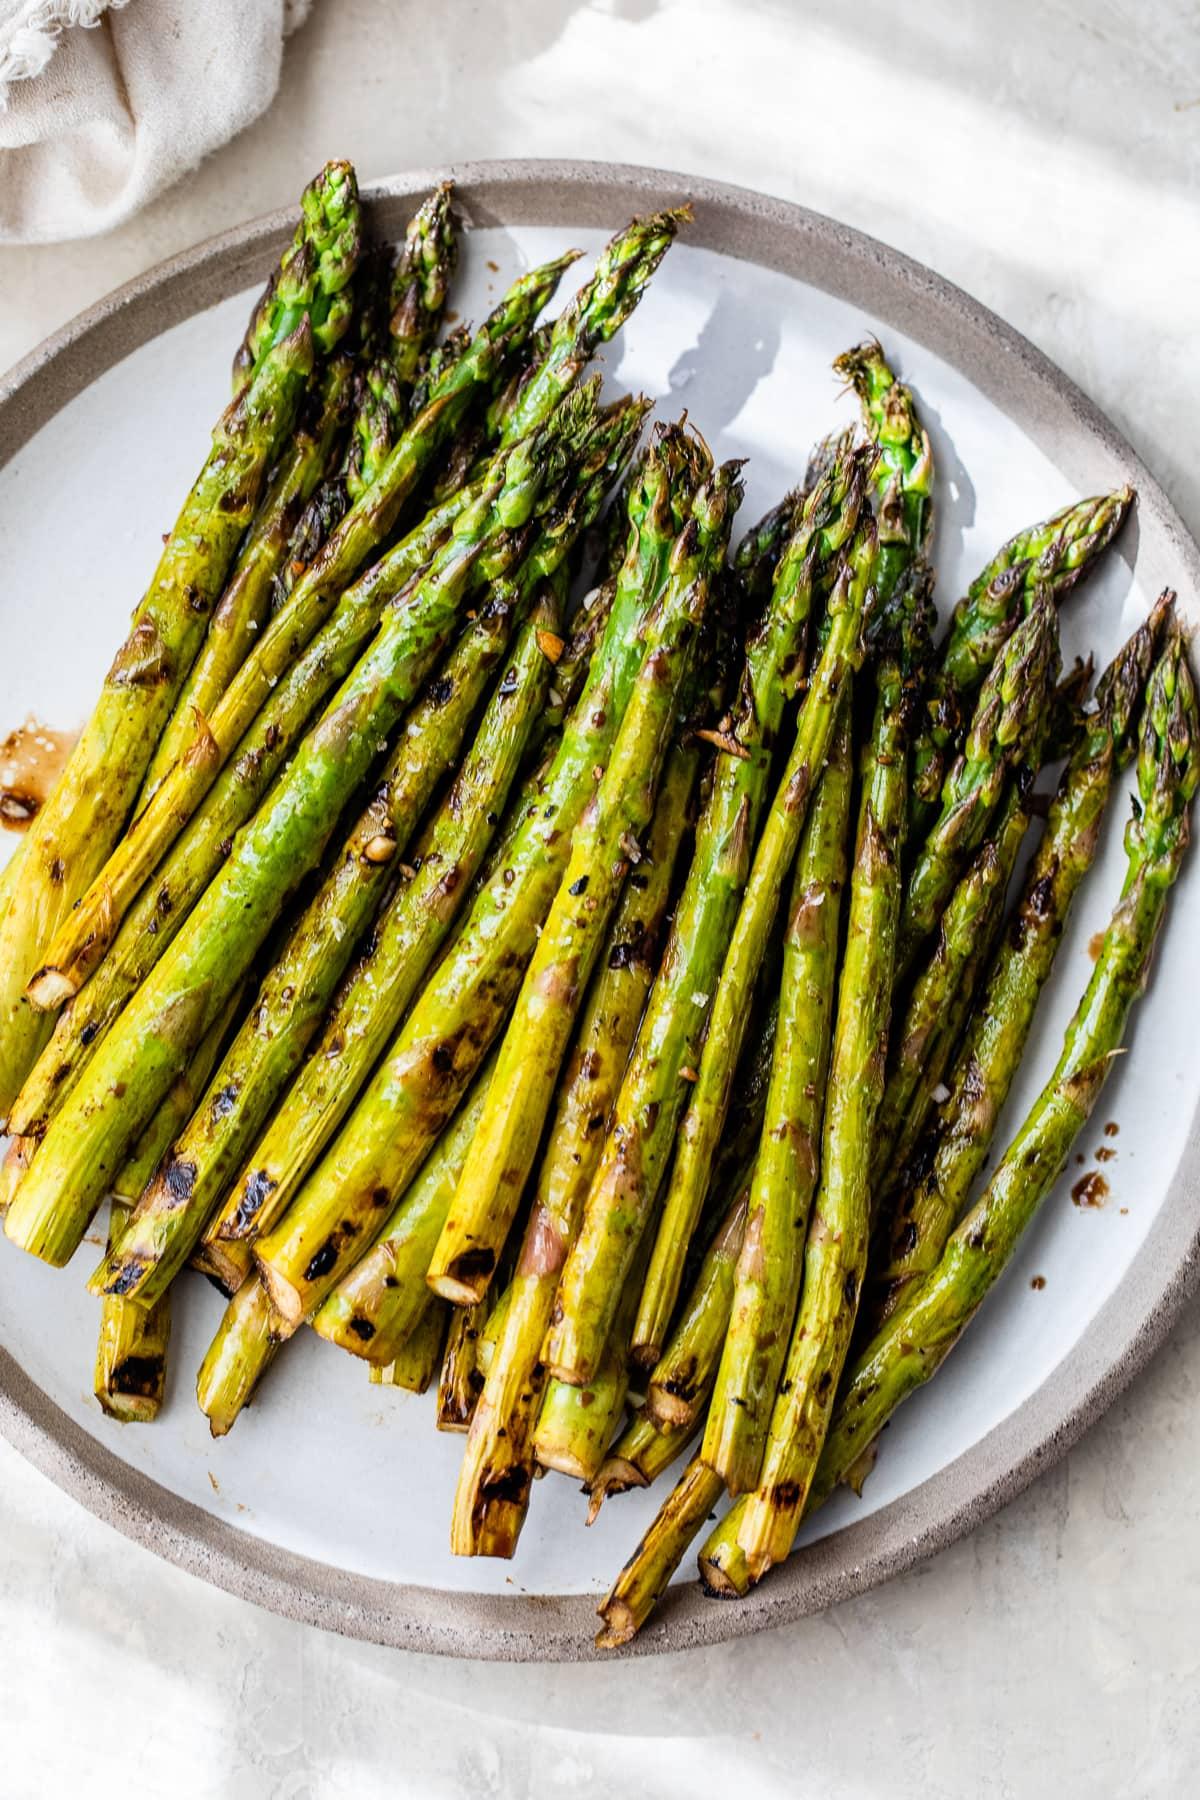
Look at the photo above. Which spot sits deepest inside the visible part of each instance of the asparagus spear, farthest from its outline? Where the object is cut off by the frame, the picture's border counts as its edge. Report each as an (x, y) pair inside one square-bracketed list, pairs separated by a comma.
[(724, 1571), (461, 1377), (130, 1376), (644, 1579), (177, 1108), (392, 355), (373, 1309), (604, 845), (421, 282), (416, 1361), (1011, 711), (942, 1168), (767, 1279), (73, 833), (836, 1250), (622, 270), (374, 998), (904, 472), (244, 607), (142, 1053), (925, 1037), (934, 1312), (312, 283), (653, 1095), (452, 1024), (757, 556), (82, 940), (16, 1160), (708, 1106), (575, 1425), (491, 1498), (234, 1363), (403, 944), (640, 1455), (1054, 556), (943, 993), (687, 1370)]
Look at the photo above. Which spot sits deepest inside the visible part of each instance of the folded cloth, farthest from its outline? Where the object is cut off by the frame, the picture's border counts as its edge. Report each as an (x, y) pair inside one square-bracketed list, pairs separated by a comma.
[(103, 103)]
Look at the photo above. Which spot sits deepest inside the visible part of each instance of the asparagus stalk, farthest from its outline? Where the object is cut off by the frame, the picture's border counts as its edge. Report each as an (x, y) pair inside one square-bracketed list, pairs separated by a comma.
[(130, 1377), (376, 995), (16, 1160), (644, 1579), (724, 1571), (904, 471), (604, 845), (1011, 712), (640, 1455), (685, 1374), (177, 1108), (393, 355), (421, 282), (142, 1053), (653, 1095), (622, 271), (933, 1313), (757, 556), (925, 1037), (82, 940), (244, 607), (416, 1361), (73, 833), (943, 994), (784, 1179), (836, 1250), (708, 1106), (575, 1425), (461, 1377), (1053, 556), (943, 1165), (234, 1363), (313, 281), (455, 1019), (492, 1494), (131, 1348), (373, 1309)]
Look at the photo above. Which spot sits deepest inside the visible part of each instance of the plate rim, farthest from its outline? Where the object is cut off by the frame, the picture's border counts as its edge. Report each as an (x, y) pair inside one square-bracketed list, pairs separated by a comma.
[(1124, 1333)]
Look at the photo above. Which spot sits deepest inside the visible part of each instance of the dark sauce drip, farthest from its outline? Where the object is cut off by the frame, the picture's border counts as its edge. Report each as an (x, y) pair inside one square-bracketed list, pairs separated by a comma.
[(1090, 1190), (31, 760)]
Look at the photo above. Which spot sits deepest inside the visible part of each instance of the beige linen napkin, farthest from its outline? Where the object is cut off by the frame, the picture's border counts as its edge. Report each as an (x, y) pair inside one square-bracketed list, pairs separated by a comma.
[(103, 103)]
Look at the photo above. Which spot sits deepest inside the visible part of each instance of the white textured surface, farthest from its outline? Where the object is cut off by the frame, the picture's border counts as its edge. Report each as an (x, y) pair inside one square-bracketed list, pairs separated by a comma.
[(1041, 155)]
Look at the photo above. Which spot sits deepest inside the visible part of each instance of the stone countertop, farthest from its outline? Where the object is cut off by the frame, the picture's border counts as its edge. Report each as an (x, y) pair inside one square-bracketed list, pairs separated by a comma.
[(1045, 156)]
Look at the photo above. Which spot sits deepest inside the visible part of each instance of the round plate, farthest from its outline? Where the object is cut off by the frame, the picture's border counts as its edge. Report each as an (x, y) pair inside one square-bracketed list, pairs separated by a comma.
[(330, 1501)]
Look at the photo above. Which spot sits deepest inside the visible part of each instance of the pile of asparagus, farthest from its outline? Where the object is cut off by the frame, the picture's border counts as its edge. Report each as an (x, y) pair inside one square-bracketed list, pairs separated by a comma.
[(603, 1004)]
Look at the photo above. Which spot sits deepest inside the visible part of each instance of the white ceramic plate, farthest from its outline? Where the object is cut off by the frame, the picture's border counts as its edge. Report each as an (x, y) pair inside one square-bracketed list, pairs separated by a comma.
[(331, 1497)]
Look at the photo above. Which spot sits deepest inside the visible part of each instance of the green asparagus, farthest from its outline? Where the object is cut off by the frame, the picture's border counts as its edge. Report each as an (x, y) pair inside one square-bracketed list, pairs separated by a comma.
[(69, 840), (654, 1093), (933, 1313), (784, 1179)]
